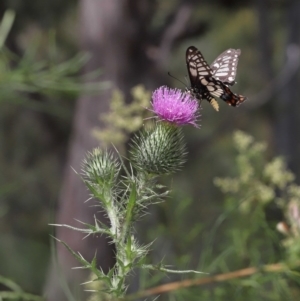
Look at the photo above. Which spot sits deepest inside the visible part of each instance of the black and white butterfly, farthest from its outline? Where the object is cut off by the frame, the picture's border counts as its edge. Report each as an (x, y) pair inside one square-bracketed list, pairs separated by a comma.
[(213, 81)]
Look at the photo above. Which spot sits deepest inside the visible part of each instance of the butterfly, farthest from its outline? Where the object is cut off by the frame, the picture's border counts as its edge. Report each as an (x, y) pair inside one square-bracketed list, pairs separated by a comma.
[(213, 81)]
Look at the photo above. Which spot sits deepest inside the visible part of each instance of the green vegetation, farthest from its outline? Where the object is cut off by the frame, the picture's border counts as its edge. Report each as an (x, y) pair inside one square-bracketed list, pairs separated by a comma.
[(233, 211)]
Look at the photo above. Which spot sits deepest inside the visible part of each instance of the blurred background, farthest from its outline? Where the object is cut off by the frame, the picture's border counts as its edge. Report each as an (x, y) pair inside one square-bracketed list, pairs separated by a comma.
[(60, 62)]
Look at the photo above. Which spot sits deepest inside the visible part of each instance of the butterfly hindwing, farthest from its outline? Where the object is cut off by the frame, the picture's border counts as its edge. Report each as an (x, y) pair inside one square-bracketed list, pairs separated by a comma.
[(216, 88), (225, 65), (231, 98), (212, 81)]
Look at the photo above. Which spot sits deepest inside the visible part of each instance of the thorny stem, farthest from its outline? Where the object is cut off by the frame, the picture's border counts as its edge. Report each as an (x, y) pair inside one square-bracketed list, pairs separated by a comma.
[(112, 211), (124, 240)]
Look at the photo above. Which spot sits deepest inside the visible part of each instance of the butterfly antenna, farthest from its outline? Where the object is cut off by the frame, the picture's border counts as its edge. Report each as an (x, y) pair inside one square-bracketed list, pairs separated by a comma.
[(177, 79), (186, 79)]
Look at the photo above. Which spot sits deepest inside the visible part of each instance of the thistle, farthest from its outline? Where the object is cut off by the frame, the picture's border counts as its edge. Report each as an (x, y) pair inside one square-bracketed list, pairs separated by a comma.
[(156, 151)]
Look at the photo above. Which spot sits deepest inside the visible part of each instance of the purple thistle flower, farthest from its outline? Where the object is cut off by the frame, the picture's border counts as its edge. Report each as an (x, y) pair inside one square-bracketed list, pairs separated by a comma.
[(174, 106)]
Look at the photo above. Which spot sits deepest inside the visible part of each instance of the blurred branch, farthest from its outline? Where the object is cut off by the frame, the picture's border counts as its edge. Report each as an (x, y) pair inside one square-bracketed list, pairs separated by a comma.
[(278, 83), (10, 284), (20, 296), (176, 28), (5, 26), (265, 38), (270, 268), (15, 292)]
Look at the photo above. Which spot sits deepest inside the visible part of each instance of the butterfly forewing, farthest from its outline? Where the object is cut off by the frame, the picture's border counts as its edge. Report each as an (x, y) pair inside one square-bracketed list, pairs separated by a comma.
[(225, 65), (197, 66)]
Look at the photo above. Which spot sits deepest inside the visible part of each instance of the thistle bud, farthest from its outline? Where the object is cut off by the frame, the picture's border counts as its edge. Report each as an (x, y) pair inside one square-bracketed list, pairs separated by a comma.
[(160, 150), (100, 167)]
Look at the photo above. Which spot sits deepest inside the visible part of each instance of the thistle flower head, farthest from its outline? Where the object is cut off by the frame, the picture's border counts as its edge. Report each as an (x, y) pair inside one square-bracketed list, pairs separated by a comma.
[(175, 106)]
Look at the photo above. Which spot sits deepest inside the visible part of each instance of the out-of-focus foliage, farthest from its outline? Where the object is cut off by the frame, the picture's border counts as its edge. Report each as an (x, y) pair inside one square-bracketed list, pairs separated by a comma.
[(260, 189), (21, 78), (123, 119), (37, 93), (246, 233), (15, 292), (46, 13), (258, 183)]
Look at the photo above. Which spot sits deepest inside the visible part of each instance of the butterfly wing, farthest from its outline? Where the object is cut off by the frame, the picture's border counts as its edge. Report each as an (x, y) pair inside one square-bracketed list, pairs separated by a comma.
[(218, 89), (198, 69), (231, 98), (207, 81), (225, 65), (196, 65)]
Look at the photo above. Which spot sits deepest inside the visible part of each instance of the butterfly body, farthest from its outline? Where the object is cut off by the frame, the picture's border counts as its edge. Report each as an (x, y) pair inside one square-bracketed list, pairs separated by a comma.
[(213, 81)]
